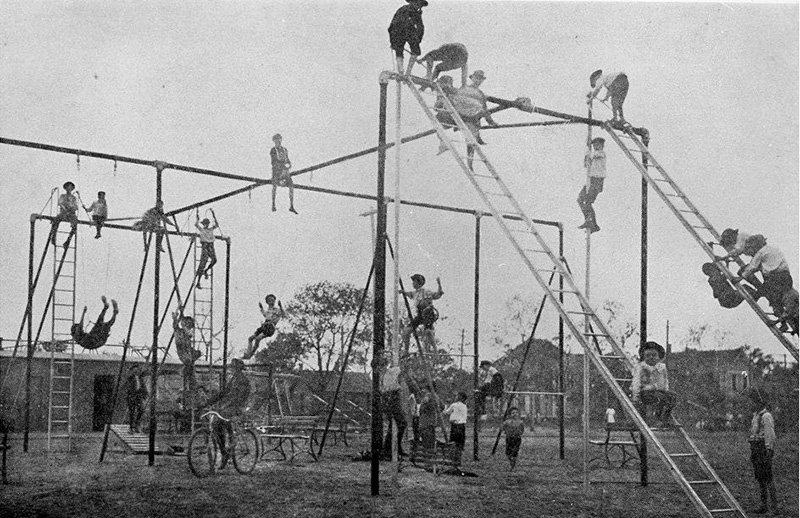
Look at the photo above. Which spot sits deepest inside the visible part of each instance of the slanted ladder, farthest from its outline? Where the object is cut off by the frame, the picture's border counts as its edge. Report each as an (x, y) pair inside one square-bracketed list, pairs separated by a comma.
[(59, 414), (539, 258), (690, 217)]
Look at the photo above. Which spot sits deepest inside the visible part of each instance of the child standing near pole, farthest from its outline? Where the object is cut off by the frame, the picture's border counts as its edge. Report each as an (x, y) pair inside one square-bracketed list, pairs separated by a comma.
[(595, 163), (457, 412), (407, 27), (99, 211), (514, 427), (762, 449)]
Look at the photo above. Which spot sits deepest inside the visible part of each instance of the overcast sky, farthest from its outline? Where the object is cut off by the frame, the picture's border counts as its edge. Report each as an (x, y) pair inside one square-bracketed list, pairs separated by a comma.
[(716, 85)]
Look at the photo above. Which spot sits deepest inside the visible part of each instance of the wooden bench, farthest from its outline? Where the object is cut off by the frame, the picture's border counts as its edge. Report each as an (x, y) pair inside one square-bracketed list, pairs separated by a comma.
[(629, 448), (296, 432), (444, 456)]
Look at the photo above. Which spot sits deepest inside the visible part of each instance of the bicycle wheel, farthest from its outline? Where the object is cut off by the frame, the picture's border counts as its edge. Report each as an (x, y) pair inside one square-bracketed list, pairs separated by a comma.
[(245, 451), (202, 453)]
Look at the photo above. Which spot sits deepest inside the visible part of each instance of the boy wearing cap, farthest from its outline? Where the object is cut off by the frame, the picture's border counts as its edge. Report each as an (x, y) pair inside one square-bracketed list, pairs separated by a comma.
[(650, 387), (616, 85), (762, 449), (99, 211), (450, 56), (407, 27), (206, 246), (773, 266), (733, 242), (474, 91), (426, 313), (98, 336), (67, 211), (595, 163), (271, 316), (279, 156)]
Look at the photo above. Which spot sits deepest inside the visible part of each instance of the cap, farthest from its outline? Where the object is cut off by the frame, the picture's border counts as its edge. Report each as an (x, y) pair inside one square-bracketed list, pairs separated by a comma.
[(598, 140), (729, 237), (418, 277), (69, 185), (595, 76), (270, 296), (205, 220)]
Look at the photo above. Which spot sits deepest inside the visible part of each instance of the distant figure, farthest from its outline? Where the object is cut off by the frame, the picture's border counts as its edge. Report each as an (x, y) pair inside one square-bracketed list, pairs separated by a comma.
[(595, 163), (99, 211), (392, 405), (611, 416), (154, 220), (232, 403), (450, 56), (407, 27), (427, 421), (762, 449), (616, 85), (413, 411), (457, 413), (271, 317), (492, 386), (98, 336), (279, 156), (650, 387), (207, 247), (136, 395), (514, 427), (67, 211), (724, 292), (426, 313), (773, 266), (474, 91), (183, 335)]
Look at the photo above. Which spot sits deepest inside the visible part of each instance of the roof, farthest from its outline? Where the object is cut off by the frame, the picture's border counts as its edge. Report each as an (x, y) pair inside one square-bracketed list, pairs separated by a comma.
[(94, 356)]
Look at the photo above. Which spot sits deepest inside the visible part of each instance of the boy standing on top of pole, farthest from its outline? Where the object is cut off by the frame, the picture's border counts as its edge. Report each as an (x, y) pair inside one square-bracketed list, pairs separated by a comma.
[(616, 84), (279, 156), (407, 27), (595, 163)]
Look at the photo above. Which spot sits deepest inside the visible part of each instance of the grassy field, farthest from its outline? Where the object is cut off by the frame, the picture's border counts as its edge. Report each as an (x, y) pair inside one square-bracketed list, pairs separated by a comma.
[(76, 484)]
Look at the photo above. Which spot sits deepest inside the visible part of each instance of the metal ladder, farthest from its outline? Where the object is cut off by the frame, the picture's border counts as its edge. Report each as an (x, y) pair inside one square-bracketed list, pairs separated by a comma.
[(683, 209), (709, 495), (59, 414), (203, 309)]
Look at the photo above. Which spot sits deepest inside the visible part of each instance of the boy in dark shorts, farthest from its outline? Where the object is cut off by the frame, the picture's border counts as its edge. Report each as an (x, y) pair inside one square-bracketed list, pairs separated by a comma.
[(279, 156), (67, 211), (271, 317), (99, 210), (207, 247), (426, 313), (407, 27), (98, 336), (514, 427)]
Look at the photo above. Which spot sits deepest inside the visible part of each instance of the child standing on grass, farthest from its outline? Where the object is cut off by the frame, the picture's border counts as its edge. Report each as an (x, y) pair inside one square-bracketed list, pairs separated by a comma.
[(99, 210), (650, 386), (514, 427), (427, 421), (762, 449), (458, 420)]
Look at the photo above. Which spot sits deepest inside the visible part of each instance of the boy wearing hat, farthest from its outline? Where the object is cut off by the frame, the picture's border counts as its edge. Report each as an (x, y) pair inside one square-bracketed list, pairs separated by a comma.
[(206, 246), (474, 91), (773, 266), (99, 211), (762, 449), (616, 84), (279, 156), (426, 313), (271, 316), (733, 242), (650, 387), (595, 163), (407, 27), (450, 56), (67, 211), (98, 336)]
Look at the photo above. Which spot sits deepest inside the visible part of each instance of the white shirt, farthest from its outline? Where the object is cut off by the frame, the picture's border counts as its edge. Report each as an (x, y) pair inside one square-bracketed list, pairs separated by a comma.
[(738, 247), (605, 80), (457, 412), (206, 234), (763, 427), (769, 259), (647, 377), (271, 314), (390, 380), (596, 163), (489, 374), (99, 208), (610, 415)]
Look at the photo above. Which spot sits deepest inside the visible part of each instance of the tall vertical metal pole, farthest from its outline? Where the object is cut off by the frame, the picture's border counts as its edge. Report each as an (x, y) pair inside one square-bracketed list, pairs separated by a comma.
[(643, 301), (227, 312), (31, 345), (379, 312), (151, 453), (586, 370), (475, 336), (561, 389), (396, 286)]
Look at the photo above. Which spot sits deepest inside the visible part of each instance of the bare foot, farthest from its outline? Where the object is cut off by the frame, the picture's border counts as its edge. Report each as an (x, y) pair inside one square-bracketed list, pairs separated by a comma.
[(291, 209), (115, 306), (105, 300)]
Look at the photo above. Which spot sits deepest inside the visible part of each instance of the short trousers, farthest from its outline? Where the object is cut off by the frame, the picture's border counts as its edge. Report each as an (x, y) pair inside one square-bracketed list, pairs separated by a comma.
[(267, 329)]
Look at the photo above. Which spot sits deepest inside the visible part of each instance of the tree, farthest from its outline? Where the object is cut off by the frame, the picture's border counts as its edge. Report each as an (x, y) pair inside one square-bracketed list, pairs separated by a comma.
[(322, 315)]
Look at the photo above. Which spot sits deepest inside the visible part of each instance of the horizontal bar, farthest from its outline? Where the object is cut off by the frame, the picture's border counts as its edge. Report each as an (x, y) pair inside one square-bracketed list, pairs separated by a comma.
[(126, 227)]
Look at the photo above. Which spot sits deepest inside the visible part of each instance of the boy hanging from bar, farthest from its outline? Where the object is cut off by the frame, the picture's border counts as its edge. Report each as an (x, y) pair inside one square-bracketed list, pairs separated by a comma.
[(67, 211), (279, 156), (206, 246), (595, 163), (183, 335), (98, 336), (154, 220), (271, 317), (99, 211), (407, 27), (426, 314)]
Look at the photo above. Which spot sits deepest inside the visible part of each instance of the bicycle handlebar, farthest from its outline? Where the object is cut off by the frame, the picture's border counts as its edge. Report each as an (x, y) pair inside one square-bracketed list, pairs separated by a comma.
[(213, 413)]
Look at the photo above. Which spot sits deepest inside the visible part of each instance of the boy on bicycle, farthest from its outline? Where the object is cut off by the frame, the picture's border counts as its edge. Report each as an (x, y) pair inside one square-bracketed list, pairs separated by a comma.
[(231, 403)]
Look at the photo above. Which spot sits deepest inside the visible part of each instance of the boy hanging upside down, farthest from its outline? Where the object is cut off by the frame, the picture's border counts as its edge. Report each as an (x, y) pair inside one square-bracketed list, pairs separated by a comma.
[(98, 336), (426, 313), (267, 329)]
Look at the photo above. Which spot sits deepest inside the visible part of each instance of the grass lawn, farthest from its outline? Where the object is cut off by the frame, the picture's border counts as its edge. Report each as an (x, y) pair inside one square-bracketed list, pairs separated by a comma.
[(76, 484)]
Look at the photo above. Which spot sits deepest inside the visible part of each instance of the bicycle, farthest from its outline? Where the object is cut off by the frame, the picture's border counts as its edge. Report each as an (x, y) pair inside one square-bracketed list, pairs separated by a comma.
[(205, 450)]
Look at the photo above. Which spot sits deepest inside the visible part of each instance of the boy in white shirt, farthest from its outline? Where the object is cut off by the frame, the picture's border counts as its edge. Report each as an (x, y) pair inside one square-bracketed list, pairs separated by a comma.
[(458, 420), (99, 210), (271, 316), (650, 387), (773, 266), (595, 164), (207, 247), (426, 313), (616, 85)]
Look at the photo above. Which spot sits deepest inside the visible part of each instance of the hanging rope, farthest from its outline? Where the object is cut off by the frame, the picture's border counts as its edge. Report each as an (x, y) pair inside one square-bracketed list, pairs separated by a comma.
[(126, 345)]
